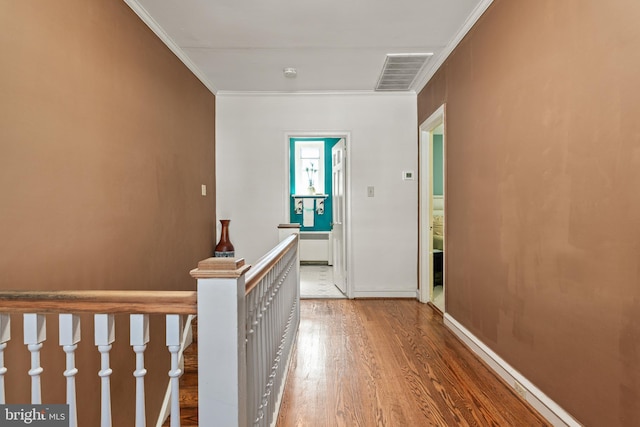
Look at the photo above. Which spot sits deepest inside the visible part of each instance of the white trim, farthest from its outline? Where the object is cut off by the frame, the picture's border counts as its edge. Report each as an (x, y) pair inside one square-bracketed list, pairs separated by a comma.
[(418, 84), (347, 234), (434, 65), (434, 119), (425, 150), (318, 93), (384, 294), (346, 135), (536, 398), (170, 43)]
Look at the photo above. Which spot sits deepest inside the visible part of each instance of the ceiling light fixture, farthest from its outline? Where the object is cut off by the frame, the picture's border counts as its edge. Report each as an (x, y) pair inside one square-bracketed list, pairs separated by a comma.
[(290, 72)]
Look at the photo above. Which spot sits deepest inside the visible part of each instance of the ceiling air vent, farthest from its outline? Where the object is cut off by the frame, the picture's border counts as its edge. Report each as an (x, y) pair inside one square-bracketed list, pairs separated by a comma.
[(400, 70)]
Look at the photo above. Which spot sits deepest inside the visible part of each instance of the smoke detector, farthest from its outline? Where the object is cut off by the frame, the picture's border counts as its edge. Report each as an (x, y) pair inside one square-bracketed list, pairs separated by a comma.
[(290, 72), (400, 70)]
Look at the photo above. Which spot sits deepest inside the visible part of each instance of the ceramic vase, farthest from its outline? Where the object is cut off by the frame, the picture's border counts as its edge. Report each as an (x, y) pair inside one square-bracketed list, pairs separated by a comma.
[(224, 248)]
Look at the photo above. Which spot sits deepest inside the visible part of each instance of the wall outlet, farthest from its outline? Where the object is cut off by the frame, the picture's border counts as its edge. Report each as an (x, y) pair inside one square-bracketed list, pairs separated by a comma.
[(520, 389), (203, 190), (408, 175), (370, 192)]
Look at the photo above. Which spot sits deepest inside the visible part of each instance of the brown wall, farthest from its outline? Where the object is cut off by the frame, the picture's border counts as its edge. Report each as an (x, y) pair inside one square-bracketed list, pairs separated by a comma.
[(542, 191), (105, 140)]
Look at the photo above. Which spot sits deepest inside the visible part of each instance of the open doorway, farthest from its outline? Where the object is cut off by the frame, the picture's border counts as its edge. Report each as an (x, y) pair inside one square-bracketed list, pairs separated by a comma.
[(317, 199), (432, 241)]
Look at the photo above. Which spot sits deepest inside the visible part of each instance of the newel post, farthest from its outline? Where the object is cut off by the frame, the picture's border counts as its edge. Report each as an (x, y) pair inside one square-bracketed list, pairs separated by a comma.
[(221, 341), (286, 230)]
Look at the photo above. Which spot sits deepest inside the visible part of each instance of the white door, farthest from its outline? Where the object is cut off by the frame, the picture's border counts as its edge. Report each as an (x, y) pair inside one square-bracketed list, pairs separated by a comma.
[(338, 202), (426, 267)]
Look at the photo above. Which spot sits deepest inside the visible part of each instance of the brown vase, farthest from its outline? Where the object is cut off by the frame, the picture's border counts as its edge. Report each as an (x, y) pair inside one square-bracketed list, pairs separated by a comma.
[(224, 248)]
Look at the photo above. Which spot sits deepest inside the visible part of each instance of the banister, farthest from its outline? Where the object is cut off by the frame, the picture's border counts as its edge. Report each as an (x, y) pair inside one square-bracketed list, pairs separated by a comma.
[(266, 263), (90, 301), (230, 295)]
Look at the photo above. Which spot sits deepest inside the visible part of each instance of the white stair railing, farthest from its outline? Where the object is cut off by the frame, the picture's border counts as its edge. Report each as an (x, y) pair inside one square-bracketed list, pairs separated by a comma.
[(247, 333), (139, 337), (69, 325), (5, 336), (272, 313), (248, 321), (174, 339), (105, 335), (35, 333), (104, 304)]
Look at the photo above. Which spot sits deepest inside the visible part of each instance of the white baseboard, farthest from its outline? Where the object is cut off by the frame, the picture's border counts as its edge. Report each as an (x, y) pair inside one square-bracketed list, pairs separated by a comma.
[(536, 398), (384, 294)]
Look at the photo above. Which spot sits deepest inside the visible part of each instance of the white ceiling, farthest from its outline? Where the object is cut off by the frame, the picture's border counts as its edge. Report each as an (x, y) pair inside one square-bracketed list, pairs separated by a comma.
[(335, 45)]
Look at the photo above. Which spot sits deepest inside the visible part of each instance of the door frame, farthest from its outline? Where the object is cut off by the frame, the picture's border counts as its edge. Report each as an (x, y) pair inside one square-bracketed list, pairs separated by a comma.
[(347, 188), (425, 196)]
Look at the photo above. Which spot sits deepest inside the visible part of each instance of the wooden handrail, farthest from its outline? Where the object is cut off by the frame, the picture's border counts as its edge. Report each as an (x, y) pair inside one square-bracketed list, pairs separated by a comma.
[(106, 302), (266, 263), (123, 302)]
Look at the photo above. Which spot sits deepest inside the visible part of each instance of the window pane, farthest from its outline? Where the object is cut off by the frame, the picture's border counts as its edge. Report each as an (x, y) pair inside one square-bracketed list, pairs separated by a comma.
[(309, 165), (310, 153), (310, 171)]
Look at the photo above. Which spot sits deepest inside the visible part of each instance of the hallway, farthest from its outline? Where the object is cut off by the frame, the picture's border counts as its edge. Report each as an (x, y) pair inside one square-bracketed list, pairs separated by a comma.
[(390, 363), (316, 282)]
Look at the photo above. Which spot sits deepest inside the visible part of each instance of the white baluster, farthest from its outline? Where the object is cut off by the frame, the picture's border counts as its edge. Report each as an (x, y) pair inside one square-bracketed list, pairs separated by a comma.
[(139, 337), (5, 336), (35, 333), (69, 325), (104, 325), (174, 335)]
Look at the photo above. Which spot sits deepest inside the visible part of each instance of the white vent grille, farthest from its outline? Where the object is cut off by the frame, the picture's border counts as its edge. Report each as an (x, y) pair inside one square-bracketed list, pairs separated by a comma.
[(400, 70)]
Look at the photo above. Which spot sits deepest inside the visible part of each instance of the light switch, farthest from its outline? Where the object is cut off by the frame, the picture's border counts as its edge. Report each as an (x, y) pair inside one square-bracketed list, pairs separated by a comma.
[(204, 190), (370, 191)]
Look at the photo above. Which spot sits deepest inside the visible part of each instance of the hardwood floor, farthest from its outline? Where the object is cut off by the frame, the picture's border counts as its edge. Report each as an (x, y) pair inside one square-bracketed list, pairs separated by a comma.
[(390, 363), (380, 363)]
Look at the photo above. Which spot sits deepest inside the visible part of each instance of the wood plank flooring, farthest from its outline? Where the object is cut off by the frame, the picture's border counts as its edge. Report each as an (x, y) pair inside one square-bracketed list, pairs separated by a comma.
[(390, 363), (380, 363)]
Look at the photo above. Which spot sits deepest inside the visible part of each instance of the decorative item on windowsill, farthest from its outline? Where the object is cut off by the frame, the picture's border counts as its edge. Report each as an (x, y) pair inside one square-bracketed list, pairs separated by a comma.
[(224, 248), (311, 171)]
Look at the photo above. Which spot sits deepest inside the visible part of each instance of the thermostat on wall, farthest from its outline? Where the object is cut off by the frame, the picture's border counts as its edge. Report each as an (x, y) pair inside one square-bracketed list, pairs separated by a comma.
[(407, 175)]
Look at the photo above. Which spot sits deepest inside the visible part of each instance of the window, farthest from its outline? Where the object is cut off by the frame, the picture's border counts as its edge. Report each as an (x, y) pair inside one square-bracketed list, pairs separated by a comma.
[(309, 167)]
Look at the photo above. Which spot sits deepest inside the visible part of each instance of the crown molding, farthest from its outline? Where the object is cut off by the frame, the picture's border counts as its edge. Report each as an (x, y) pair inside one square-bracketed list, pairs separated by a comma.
[(170, 43), (434, 65), (230, 93), (419, 83)]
